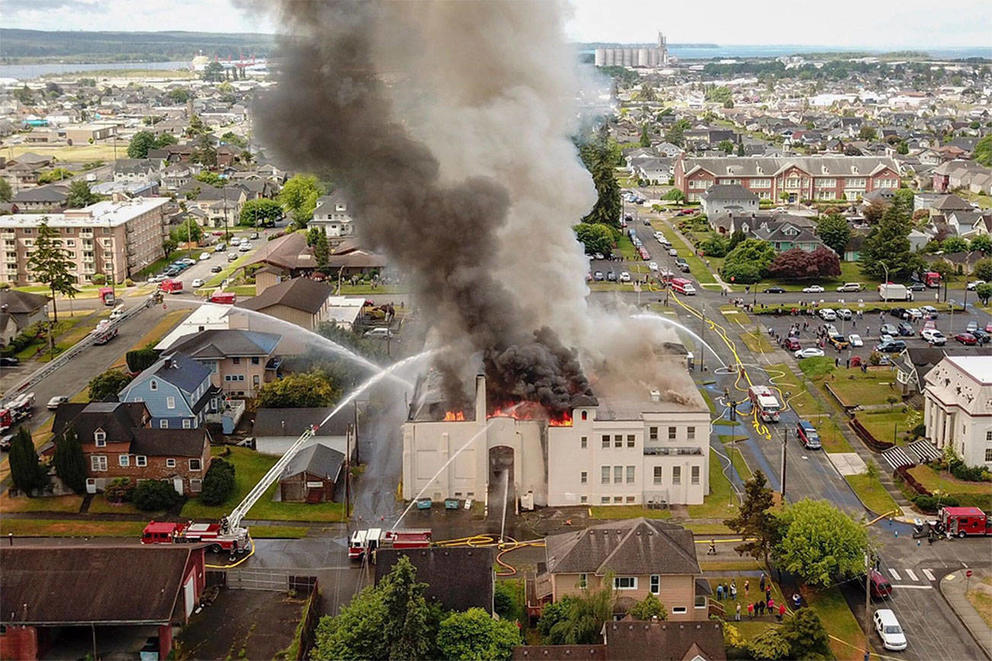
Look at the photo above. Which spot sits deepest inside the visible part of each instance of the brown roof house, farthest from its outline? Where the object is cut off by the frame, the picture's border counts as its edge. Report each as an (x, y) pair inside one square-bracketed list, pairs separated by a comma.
[(456, 578), (643, 556), (312, 473), (634, 640), (301, 301), (18, 311)]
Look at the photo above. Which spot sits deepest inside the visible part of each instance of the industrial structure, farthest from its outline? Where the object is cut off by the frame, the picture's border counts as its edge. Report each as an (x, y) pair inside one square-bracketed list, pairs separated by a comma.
[(637, 56)]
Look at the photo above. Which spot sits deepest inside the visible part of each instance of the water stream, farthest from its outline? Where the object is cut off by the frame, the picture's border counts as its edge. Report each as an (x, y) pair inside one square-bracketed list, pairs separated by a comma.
[(654, 317)]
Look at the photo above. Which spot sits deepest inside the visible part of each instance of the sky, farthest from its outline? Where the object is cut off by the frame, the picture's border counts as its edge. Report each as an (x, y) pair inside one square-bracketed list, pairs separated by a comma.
[(875, 25)]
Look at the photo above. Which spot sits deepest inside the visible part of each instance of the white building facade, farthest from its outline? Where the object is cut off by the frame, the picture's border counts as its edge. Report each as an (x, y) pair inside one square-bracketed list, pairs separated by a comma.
[(957, 407)]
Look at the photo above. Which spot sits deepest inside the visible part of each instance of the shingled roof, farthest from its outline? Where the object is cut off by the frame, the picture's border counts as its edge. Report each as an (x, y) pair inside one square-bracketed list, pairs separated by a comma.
[(635, 546), (664, 641), (457, 578), (226, 343), (303, 294)]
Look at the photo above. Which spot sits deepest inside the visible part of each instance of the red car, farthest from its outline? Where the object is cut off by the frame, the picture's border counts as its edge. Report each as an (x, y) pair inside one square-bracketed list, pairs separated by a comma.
[(792, 344), (966, 338)]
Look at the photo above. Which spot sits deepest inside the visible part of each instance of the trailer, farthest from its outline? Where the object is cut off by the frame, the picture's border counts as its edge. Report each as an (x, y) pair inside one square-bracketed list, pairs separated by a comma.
[(893, 292), (765, 403), (964, 521)]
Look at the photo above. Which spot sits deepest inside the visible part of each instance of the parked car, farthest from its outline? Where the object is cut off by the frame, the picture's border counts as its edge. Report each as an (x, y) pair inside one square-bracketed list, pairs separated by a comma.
[(906, 329), (253, 236), (929, 311), (914, 313), (838, 342), (673, 252), (774, 290), (845, 314), (216, 269), (813, 289), (898, 313), (244, 247), (966, 338), (850, 286), (197, 282), (878, 586), (653, 266), (917, 286), (888, 329), (598, 276), (891, 346), (972, 325), (981, 336), (220, 247), (807, 434), (827, 314), (611, 276), (889, 630), (9, 361), (54, 402), (204, 256), (855, 340), (381, 333), (792, 344), (934, 337), (6, 441), (624, 276), (974, 283), (809, 352), (231, 256)]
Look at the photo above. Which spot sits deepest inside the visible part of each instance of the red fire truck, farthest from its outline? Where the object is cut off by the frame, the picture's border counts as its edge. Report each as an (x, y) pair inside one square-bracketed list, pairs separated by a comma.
[(963, 521), (683, 286), (368, 541), (765, 403), (16, 410), (223, 297), (171, 286), (104, 332)]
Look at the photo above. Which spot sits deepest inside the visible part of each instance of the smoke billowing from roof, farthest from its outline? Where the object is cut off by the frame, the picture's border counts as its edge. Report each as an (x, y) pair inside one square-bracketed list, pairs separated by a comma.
[(446, 126)]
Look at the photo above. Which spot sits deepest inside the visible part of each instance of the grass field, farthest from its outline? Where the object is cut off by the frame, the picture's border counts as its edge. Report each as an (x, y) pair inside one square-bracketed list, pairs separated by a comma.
[(872, 493), (756, 342), (73, 154), (45, 504), (70, 528), (889, 426), (706, 528), (721, 503), (627, 512), (977, 494), (847, 640), (980, 596), (866, 389), (831, 437)]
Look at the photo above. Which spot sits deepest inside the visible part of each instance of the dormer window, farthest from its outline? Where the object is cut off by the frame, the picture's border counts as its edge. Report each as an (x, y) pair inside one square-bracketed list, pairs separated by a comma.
[(100, 438), (153, 384)]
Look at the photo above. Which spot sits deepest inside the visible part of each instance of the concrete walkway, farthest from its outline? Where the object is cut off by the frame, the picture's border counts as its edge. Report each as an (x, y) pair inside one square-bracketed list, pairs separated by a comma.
[(953, 587)]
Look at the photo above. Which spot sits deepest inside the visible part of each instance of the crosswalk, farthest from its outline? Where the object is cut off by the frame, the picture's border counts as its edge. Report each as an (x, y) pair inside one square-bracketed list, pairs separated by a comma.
[(920, 451), (906, 577)]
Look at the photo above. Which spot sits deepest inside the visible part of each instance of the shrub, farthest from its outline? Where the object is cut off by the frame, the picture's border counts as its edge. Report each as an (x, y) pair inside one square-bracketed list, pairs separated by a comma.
[(967, 473), (218, 483), (155, 495), (128, 282), (98, 279), (120, 490)]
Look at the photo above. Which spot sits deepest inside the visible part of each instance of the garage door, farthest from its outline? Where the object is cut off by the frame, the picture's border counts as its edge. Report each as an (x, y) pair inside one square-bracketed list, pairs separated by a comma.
[(189, 595)]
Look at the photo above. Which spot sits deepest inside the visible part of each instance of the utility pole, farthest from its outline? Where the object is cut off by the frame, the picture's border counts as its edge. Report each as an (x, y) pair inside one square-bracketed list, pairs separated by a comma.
[(358, 459), (702, 338), (347, 472), (785, 446), (867, 602)]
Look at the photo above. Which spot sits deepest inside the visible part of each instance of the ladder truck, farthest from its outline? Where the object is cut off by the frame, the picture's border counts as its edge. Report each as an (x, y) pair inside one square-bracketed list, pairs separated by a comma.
[(228, 534)]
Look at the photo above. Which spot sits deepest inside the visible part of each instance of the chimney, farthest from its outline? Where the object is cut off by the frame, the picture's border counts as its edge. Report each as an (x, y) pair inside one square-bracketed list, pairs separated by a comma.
[(655, 395), (480, 398)]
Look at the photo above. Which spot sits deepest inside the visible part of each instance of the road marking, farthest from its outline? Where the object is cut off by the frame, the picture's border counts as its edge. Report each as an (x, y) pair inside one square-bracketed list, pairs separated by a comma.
[(907, 586), (911, 574), (929, 575), (895, 574)]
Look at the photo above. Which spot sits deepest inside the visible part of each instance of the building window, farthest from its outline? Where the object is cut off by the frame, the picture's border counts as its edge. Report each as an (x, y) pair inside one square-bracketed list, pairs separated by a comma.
[(988, 454), (694, 475), (583, 477), (700, 601), (691, 433), (631, 499), (655, 583), (163, 424), (618, 440), (605, 474), (584, 415), (141, 461), (630, 440), (584, 442), (679, 610), (583, 499), (124, 460), (653, 433), (630, 474), (671, 433), (657, 474), (187, 423), (100, 438), (624, 582), (617, 474), (195, 485), (606, 441), (153, 385), (195, 464), (617, 499), (583, 581), (98, 462), (170, 463), (676, 475), (236, 361), (170, 402), (988, 436), (254, 361)]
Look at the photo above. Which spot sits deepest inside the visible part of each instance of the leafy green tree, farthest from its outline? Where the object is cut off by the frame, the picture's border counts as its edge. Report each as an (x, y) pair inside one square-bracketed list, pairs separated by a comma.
[(179, 95), (508, 599), (218, 483), (141, 142), (26, 471), (55, 174), (769, 645), (6, 192), (187, 231), (298, 390), (648, 608), (887, 247), (748, 262), (984, 292), (676, 132), (24, 95), (204, 151), (596, 237), (867, 133), (983, 269), (196, 127), (51, 265), (755, 522), (902, 147), (983, 151), (260, 212), (954, 244), (675, 195), (474, 634), (80, 195), (169, 246), (208, 177), (299, 197), (213, 72), (820, 543), (981, 243), (139, 360), (874, 211), (806, 635), (719, 94), (645, 136), (69, 462), (726, 146), (155, 495), (834, 231), (585, 618), (551, 615), (231, 138), (105, 386), (715, 246)]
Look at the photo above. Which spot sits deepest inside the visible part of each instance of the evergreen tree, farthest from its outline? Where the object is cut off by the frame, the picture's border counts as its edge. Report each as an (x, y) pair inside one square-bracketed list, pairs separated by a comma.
[(645, 136), (80, 195), (70, 464), (755, 522), (50, 265), (26, 471), (321, 251), (887, 249)]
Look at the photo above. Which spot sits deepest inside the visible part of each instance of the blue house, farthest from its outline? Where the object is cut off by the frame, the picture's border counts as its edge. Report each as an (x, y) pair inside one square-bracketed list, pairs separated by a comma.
[(176, 390)]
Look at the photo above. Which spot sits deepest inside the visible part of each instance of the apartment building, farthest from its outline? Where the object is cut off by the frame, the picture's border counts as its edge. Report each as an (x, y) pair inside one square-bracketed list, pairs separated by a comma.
[(791, 178), (109, 237), (957, 407)]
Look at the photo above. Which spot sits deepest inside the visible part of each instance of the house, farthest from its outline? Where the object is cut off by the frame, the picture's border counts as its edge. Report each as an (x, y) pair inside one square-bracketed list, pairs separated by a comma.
[(945, 204), (300, 301), (957, 407), (240, 361), (118, 441), (53, 197), (456, 578), (177, 391), (275, 430), (332, 216), (643, 556), (130, 170), (18, 311), (913, 364), (728, 197), (144, 590), (311, 475), (786, 232), (634, 640), (220, 207), (209, 316)]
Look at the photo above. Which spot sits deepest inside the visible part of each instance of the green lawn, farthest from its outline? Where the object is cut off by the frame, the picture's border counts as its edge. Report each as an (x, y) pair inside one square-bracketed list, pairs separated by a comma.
[(706, 528), (696, 265), (855, 387), (228, 270), (976, 494), (243, 290), (847, 639), (872, 493), (71, 528), (831, 437), (756, 342), (368, 289), (849, 272), (44, 504), (740, 464), (627, 512), (721, 503), (249, 468), (888, 426)]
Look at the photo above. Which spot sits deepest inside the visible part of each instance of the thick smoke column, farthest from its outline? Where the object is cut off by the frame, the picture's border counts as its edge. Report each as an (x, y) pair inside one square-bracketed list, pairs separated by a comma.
[(333, 115)]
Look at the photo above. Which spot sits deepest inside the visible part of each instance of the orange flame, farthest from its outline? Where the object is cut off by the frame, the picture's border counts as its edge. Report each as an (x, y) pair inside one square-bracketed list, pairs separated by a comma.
[(532, 411), (454, 416)]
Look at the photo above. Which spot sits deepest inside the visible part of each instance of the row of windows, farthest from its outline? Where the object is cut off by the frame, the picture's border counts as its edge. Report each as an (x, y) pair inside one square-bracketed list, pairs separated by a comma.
[(676, 474), (630, 440), (618, 475), (164, 423), (237, 361), (98, 462)]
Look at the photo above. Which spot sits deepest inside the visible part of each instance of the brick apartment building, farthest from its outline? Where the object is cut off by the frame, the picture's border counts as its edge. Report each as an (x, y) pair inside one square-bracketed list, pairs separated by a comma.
[(107, 237), (800, 177)]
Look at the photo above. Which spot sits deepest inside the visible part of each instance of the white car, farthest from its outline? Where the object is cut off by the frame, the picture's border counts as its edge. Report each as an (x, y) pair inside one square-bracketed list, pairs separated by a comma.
[(204, 256), (813, 289), (379, 333), (54, 402), (673, 252), (915, 313), (659, 235), (624, 277), (974, 283), (889, 630), (855, 340), (844, 314), (653, 266), (934, 337), (244, 247), (885, 337), (809, 352), (197, 283), (827, 314)]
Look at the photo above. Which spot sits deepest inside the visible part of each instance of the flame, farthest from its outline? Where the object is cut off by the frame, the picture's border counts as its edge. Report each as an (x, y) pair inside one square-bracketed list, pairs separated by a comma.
[(454, 416), (532, 411)]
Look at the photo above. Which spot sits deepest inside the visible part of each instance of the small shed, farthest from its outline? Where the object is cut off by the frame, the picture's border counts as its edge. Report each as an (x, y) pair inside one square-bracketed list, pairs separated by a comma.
[(311, 475)]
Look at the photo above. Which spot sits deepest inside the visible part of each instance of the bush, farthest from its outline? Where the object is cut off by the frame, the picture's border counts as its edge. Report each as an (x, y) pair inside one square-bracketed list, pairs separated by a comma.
[(929, 503), (120, 490), (155, 495), (218, 483), (128, 282), (967, 473), (98, 279)]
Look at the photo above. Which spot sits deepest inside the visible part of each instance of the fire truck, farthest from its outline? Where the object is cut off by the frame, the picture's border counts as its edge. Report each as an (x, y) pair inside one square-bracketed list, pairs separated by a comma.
[(107, 296), (765, 403), (228, 534), (931, 279), (16, 411), (368, 541), (683, 286), (104, 332), (962, 521), (171, 286)]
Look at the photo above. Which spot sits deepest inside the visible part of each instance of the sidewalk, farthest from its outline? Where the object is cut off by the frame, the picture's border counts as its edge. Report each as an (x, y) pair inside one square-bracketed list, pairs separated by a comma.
[(952, 587)]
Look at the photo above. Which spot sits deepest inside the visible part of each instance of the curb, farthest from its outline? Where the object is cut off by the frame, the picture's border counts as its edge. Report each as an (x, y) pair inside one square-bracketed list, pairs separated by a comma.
[(940, 588)]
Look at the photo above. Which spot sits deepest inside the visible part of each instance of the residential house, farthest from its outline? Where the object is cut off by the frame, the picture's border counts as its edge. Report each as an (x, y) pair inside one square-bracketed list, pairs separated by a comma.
[(641, 556), (52, 197), (456, 578), (301, 301), (178, 175), (118, 440), (220, 207), (728, 197), (240, 361), (957, 407), (130, 590), (657, 170), (332, 216), (311, 475), (634, 640), (275, 430), (177, 391), (787, 232), (130, 170), (959, 173), (18, 311)]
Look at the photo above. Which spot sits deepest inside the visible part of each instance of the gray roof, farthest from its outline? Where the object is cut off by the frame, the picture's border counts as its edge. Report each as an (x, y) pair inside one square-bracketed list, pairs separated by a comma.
[(53, 193), (728, 192), (631, 547), (299, 293), (21, 302), (817, 166), (292, 422), (226, 342), (179, 370), (316, 459)]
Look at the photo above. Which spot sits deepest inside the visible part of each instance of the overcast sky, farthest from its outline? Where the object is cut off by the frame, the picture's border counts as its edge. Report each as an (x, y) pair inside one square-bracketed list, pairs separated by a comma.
[(853, 23)]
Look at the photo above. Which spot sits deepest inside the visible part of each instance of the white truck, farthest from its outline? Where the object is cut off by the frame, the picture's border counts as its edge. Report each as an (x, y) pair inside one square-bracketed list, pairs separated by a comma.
[(892, 292), (765, 403)]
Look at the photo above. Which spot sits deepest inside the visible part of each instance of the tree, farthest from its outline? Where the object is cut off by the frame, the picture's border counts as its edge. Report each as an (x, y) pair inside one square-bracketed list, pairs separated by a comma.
[(169, 246), (50, 265), (748, 262), (599, 160), (887, 247), (834, 230), (155, 495), (551, 615), (80, 195), (769, 645), (798, 264), (55, 174), (806, 635), (26, 471), (204, 151), (299, 197), (321, 250), (981, 243), (983, 269), (675, 195), (187, 231), (983, 151), (648, 608), (585, 617), (676, 132), (179, 95), (755, 522), (390, 620), (6, 192), (867, 133), (596, 237), (719, 94), (260, 213), (208, 177), (474, 634), (645, 136), (954, 244), (298, 390), (984, 292), (902, 148), (213, 72), (874, 211), (820, 543), (141, 142), (231, 138), (726, 146), (104, 387), (139, 360), (715, 246), (69, 462), (218, 483)]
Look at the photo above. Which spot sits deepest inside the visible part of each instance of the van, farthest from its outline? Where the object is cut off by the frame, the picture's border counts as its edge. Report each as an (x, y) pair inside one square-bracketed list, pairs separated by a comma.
[(879, 586), (117, 313), (889, 630)]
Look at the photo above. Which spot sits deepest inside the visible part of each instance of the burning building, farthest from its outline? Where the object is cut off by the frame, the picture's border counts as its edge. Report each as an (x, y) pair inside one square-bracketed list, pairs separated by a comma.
[(629, 444)]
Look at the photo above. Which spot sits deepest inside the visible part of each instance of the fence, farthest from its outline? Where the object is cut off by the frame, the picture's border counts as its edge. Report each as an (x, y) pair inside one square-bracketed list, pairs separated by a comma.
[(278, 580)]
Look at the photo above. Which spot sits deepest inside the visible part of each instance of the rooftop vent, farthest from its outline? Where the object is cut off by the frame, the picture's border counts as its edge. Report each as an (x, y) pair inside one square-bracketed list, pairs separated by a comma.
[(655, 395)]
